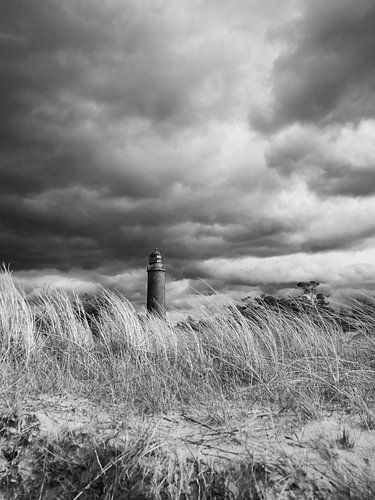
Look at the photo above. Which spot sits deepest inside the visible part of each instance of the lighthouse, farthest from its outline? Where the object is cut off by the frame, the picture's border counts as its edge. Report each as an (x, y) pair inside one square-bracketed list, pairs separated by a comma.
[(156, 284)]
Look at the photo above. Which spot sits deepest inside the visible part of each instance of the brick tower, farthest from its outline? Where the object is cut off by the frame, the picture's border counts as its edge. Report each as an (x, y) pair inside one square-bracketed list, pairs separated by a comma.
[(156, 284)]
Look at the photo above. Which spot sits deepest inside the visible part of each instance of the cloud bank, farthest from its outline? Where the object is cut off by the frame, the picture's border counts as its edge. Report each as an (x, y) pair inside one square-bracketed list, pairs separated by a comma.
[(223, 134)]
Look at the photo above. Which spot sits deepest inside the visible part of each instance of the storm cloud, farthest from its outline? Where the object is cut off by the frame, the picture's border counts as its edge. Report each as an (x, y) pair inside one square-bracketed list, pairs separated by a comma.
[(327, 73), (124, 126), (333, 162)]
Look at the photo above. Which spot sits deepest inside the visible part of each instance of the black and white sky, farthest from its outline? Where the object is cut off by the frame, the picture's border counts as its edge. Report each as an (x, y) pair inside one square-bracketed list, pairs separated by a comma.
[(237, 136)]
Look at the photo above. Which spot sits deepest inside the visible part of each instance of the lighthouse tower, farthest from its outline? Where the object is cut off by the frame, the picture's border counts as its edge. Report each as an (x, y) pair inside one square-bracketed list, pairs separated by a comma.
[(156, 284)]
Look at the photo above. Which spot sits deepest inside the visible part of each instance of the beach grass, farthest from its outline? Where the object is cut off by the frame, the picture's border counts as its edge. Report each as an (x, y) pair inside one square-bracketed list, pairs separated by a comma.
[(277, 362)]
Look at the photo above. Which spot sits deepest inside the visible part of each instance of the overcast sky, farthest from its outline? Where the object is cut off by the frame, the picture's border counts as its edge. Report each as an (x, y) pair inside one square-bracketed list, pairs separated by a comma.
[(236, 136)]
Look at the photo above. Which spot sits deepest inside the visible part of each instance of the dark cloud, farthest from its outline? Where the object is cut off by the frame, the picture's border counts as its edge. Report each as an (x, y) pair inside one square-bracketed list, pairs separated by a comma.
[(344, 241), (120, 55), (71, 71), (332, 164), (345, 180), (87, 177), (78, 227), (84, 87), (327, 74)]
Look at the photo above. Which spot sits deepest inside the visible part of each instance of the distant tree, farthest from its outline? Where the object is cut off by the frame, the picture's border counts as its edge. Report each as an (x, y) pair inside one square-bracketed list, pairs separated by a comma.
[(311, 295), (310, 301)]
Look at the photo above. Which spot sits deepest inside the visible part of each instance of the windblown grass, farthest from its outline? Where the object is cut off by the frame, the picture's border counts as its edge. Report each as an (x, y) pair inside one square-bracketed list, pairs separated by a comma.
[(275, 359), (47, 344)]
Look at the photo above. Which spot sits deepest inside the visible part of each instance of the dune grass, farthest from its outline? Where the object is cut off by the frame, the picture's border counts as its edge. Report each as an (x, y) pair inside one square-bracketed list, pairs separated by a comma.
[(46, 345), (275, 359)]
